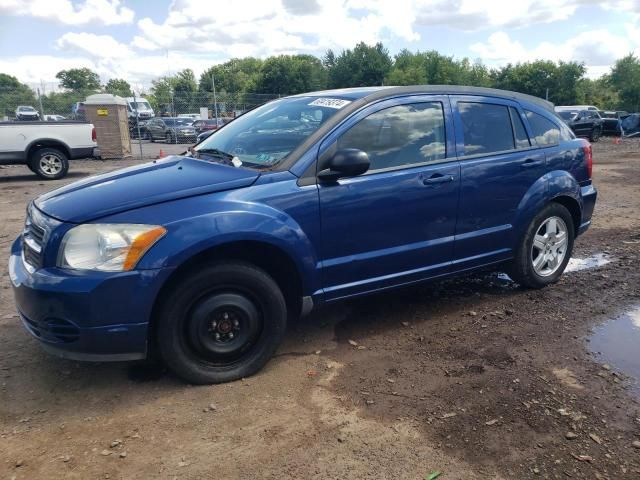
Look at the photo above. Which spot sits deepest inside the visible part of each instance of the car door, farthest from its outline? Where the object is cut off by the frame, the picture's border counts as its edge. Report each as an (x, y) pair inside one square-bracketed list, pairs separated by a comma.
[(395, 223), (499, 164)]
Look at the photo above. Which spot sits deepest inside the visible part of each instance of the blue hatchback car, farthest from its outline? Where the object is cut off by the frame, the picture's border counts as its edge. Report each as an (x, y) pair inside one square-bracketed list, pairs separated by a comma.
[(308, 199)]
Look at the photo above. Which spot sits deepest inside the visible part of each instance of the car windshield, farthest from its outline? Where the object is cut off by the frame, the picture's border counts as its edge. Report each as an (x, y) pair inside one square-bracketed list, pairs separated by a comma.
[(26, 109), (140, 105), (567, 115), (263, 137), (178, 122)]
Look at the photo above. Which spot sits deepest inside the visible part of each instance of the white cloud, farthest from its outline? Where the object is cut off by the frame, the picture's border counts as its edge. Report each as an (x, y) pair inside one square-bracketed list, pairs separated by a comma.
[(89, 12), (98, 46), (597, 49)]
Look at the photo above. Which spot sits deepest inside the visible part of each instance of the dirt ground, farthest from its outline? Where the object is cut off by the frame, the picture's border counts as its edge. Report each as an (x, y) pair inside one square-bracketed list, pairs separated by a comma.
[(472, 377)]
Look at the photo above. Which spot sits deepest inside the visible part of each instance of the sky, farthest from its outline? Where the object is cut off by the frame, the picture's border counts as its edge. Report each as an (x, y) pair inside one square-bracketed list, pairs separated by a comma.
[(142, 40)]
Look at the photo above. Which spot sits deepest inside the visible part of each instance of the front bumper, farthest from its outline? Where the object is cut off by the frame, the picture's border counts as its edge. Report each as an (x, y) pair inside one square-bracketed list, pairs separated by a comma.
[(96, 316)]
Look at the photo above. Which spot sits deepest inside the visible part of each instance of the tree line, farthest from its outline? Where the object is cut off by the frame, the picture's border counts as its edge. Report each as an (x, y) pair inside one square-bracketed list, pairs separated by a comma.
[(239, 78)]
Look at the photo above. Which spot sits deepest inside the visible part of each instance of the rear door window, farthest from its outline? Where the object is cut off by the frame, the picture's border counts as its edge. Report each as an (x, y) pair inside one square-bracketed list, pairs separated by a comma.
[(519, 133), (545, 132), (398, 136), (486, 128)]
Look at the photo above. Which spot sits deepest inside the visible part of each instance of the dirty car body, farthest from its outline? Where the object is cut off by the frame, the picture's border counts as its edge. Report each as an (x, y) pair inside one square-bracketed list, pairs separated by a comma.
[(306, 200)]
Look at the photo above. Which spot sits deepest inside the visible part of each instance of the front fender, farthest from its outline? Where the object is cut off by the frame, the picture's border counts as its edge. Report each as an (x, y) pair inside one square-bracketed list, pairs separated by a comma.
[(235, 222), (554, 184)]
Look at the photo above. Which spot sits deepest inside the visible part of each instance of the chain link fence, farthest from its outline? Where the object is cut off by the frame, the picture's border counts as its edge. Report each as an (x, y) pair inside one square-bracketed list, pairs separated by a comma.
[(140, 127)]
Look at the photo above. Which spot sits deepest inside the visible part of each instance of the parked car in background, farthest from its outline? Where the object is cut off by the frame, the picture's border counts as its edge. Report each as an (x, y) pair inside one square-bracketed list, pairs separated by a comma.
[(46, 148), (78, 112), (576, 107), (192, 116), (171, 129), (54, 118), (209, 124), (26, 113), (630, 125), (584, 123), (203, 135), (611, 121), (138, 109), (139, 130), (307, 200)]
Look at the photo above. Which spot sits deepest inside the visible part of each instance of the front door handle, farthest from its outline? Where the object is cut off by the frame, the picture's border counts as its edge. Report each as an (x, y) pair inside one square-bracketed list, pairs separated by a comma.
[(529, 162), (437, 178)]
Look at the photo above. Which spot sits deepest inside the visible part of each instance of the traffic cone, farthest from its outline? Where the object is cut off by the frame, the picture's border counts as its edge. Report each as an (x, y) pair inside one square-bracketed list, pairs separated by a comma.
[(616, 140), (161, 154)]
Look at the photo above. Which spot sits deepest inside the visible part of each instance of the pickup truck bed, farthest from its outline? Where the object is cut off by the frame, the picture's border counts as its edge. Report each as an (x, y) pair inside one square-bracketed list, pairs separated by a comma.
[(46, 147)]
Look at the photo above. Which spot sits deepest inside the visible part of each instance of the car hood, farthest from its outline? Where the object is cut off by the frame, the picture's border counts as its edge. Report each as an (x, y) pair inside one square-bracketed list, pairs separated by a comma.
[(160, 181)]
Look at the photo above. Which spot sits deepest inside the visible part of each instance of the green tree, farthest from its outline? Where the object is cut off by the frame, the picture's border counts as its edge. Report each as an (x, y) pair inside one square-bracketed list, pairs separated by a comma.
[(625, 78), (118, 86), (363, 66), (237, 76), (79, 79), (14, 93), (291, 74)]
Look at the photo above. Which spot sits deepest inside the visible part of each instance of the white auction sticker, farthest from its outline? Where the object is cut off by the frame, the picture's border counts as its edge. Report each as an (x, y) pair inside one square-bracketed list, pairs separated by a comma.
[(330, 102)]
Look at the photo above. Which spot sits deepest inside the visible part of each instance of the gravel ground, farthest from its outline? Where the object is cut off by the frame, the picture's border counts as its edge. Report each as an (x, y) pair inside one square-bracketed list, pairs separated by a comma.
[(471, 377)]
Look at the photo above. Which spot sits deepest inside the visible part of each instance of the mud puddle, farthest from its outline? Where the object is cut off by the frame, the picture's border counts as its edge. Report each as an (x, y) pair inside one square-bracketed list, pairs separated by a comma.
[(616, 343)]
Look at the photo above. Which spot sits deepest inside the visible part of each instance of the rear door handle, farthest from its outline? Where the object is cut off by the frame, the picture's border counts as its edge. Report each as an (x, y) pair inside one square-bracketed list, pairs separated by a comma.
[(531, 163), (437, 178)]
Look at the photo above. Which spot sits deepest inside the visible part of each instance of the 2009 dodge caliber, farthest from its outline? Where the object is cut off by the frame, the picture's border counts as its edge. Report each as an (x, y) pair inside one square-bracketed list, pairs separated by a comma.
[(308, 199)]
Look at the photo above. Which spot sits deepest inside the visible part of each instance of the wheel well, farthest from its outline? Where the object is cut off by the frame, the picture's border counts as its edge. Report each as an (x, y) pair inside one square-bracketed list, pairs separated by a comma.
[(269, 258), (47, 143), (574, 209)]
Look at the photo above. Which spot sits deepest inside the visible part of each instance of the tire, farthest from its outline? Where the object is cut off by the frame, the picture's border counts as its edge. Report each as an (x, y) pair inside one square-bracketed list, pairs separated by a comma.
[(151, 140), (595, 134), (168, 138), (528, 266), (220, 323), (49, 163)]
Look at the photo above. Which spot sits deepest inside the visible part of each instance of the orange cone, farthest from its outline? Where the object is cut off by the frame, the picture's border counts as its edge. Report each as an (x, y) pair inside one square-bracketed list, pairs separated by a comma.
[(616, 141), (161, 154)]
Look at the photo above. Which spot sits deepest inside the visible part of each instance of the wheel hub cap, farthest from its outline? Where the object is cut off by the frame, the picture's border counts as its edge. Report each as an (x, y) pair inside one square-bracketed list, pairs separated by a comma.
[(549, 246)]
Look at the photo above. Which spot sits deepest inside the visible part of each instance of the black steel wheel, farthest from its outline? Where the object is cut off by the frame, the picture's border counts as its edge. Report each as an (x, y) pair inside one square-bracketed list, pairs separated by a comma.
[(221, 323)]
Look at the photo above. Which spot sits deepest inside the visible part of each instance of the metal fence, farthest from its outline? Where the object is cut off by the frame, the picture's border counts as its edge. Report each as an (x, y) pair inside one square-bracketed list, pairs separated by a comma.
[(142, 126)]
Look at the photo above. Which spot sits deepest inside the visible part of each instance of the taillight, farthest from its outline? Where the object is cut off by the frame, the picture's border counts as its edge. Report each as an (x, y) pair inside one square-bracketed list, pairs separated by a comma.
[(588, 157), (93, 134)]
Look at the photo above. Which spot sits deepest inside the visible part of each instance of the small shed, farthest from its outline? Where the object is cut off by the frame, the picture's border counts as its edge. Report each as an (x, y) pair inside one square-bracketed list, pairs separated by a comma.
[(108, 113)]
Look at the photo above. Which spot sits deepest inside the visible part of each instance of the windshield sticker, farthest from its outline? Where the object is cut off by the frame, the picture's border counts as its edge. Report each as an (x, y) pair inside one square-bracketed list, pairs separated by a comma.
[(330, 102), (236, 162)]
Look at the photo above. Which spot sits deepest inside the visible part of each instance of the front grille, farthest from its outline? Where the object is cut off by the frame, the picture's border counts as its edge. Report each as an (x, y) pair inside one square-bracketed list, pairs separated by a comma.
[(34, 238), (53, 329)]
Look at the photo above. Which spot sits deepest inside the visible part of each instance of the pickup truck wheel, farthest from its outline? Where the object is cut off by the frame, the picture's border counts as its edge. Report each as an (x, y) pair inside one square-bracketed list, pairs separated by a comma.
[(594, 136), (221, 323), (49, 163), (545, 248)]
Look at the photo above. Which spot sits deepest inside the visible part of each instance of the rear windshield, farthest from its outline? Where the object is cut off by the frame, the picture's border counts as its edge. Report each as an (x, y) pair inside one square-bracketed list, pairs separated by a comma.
[(172, 122), (567, 115)]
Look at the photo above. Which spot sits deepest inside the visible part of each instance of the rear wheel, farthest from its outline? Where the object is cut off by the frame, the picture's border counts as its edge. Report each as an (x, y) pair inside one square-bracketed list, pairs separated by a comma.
[(49, 163), (545, 248), (595, 134), (168, 138), (221, 323)]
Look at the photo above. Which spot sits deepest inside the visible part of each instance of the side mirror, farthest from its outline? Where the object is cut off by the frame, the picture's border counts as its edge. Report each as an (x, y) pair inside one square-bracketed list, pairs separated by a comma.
[(348, 162)]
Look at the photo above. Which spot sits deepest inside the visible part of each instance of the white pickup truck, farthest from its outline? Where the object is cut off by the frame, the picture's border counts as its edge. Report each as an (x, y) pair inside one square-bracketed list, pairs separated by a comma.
[(46, 147)]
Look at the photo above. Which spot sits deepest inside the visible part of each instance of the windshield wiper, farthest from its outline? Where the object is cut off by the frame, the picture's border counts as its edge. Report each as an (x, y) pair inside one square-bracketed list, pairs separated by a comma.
[(215, 152)]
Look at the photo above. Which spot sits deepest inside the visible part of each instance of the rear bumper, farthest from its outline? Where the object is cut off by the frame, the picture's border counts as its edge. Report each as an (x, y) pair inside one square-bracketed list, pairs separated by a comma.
[(92, 316), (84, 152), (589, 195)]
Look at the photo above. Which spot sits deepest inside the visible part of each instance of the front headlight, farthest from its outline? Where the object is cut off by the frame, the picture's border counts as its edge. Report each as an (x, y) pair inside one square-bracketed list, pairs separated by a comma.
[(107, 247)]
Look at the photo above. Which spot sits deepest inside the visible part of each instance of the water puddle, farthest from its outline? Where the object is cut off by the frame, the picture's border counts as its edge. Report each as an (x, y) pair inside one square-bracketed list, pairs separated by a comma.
[(616, 343), (575, 265), (594, 261)]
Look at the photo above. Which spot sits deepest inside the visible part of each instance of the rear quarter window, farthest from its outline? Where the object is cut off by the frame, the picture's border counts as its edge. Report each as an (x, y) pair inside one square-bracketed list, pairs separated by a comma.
[(545, 132)]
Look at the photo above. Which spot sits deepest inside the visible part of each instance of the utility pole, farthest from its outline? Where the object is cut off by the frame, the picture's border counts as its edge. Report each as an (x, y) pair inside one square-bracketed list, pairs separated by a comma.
[(215, 101), (41, 109)]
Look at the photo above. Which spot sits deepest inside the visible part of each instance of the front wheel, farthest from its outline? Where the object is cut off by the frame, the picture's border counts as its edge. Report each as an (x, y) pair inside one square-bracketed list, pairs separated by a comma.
[(545, 248), (49, 163), (221, 323)]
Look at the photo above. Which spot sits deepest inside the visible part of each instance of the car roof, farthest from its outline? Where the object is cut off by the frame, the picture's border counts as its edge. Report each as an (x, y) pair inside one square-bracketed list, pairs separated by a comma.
[(374, 93)]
